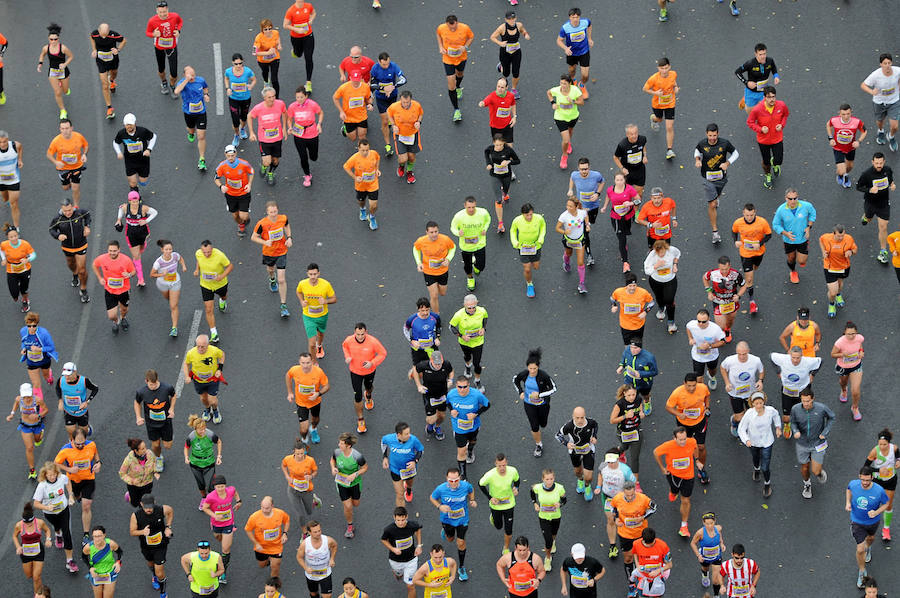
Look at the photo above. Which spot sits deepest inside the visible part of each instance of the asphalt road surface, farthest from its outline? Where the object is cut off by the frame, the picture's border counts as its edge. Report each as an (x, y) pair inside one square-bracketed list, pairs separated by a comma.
[(823, 50)]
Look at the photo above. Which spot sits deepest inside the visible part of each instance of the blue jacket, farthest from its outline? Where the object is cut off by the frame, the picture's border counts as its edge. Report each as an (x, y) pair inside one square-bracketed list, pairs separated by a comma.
[(379, 77), (795, 221), (644, 362), (44, 338)]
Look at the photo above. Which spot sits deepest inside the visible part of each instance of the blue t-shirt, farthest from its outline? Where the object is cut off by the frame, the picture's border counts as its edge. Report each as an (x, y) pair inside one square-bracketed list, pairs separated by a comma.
[(587, 186), (795, 221), (240, 84), (531, 386), (401, 453), (423, 330), (379, 77), (576, 37), (457, 500), (466, 405), (862, 501), (192, 96)]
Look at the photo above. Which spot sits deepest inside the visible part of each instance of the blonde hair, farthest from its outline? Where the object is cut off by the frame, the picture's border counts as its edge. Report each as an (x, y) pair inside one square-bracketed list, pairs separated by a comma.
[(195, 421), (47, 467)]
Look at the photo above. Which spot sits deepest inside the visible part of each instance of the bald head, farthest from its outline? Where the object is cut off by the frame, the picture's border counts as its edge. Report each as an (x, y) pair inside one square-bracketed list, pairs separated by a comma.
[(355, 52), (103, 29), (578, 412), (266, 505)]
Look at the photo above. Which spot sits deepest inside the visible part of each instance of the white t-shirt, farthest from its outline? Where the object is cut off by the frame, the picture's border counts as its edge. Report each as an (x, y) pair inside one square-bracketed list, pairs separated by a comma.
[(573, 225), (887, 86), (663, 273), (758, 428), (742, 376), (710, 334), (795, 378), (53, 495)]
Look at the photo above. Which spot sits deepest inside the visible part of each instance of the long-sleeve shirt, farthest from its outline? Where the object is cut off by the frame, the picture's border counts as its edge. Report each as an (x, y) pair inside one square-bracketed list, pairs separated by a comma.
[(72, 227), (761, 117), (136, 473), (811, 424), (639, 369), (881, 179), (493, 158), (370, 350), (794, 221), (522, 232), (757, 428)]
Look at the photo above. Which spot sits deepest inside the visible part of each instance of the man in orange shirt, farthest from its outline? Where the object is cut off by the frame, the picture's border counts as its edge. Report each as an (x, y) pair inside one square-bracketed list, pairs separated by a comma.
[(837, 249), (405, 117), (751, 233), (658, 215), (298, 19), (267, 530), (453, 39), (306, 383), (362, 167), (363, 353), (80, 461), (680, 453), (653, 560), (689, 403), (114, 271), (663, 87), (433, 252), (68, 152), (234, 177), (630, 509), (274, 234), (353, 100), (634, 303)]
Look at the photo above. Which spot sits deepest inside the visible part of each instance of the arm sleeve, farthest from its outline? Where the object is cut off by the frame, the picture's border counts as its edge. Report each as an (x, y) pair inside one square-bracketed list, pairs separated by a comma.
[(417, 255), (117, 147), (401, 78), (517, 381), (120, 212), (152, 143), (151, 213), (739, 73), (451, 252), (484, 490), (91, 387), (733, 156)]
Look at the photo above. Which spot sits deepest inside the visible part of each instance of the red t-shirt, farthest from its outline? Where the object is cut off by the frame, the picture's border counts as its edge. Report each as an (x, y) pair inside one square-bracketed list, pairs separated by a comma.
[(499, 109), (113, 270), (845, 133), (167, 28), (363, 67), (299, 17)]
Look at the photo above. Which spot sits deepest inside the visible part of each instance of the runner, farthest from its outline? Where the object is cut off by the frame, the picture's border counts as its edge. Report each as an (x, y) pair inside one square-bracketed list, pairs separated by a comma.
[(203, 364), (654, 561), (883, 459), (347, 466), (658, 215), (355, 62), (133, 144), (499, 158), (31, 422), (848, 351), (59, 56), (663, 86), (865, 503), (803, 333), (724, 288), (68, 153), (136, 215), (576, 40), (579, 436), (633, 304), (526, 234), (37, 349), (507, 37), (274, 234), (845, 133), (16, 254), (893, 242), (661, 268), (639, 367), (103, 565), (401, 452), (882, 86), (466, 406), (681, 453), (548, 497), (194, 96), (165, 29), (454, 39), (71, 226), (267, 49), (423, 332), (405, 117), (270, 131), (137, 471), (469, 324), (213, 268), (202, 452), (106, 45), (811, 438), (689, 403), (168, 280), (10, 166), (239, 83), (306, 384), (709, 546), (298, 19), (234, 177), (471, 225), (743, 374), (363, 353), (158, 400), (755, 74), (630, 157), (221, 504), (501, 487), (301, 122), (755, 430), (793, 221), (796, 372), (589, 185), (741, 574), (713, 156), (767, 120), (572, 224), (433, 376), (385, 77), (837, 249), (751, 233), (583, 574), (114, 272), (352, 100), (80, 461), (623, 198), (630, 508), (453, 499), (267, 529), (54, 496), (152, 524), (539, 387), (565, 99), (403, 539), (521, 570), (362, 167), (705, 338), (437, 575), (876, 184), (3, 45), (299, 469), (203, 568), (613, 474), (75, 393), (315, 295)]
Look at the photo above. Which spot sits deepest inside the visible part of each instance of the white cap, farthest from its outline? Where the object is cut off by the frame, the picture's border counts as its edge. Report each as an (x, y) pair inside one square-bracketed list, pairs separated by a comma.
[(230, 148), (129, 119), (578, 551), (25, 390), (611, 458), (68, 368)]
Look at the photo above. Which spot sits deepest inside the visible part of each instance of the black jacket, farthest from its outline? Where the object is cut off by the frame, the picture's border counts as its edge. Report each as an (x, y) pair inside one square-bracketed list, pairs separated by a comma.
[(546, 385), (72, 228)]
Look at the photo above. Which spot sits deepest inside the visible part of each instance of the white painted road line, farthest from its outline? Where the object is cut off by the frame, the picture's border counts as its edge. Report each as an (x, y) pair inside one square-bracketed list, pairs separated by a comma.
[(220, 92), (195, 328)]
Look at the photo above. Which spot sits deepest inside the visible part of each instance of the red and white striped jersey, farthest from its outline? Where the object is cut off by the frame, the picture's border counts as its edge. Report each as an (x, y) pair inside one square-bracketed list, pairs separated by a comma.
[(737, 584)]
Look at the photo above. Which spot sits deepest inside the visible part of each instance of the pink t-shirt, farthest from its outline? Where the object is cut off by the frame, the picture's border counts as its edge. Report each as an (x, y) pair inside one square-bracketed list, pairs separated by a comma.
[(617, 212), (851, 349), (268, 128), (221, 507), (302, 119), (113, 271)]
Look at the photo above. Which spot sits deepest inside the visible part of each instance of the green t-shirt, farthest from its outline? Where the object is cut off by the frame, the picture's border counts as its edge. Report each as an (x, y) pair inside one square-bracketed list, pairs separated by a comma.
[(106, 563), (202, 572), (466, 323), (501, 487), (471, 229), (548, 501), (527, 234), (202, 449), (566, 108), (347, 464)]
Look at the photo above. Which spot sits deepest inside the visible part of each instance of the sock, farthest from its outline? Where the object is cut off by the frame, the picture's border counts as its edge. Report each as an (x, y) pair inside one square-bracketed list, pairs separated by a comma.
[(792, 266), (213, 331), (581, 274), (683, 523), (162, 585), (410, 165), (462, 557), (462, 468), (880, 130), (458, 81), (540, 444), (139, 267), (750, 292), (716, 588), (566, 258), (451, 93), (272, 167), (890, 135), (888, 516), (226, 556), (629, 568)]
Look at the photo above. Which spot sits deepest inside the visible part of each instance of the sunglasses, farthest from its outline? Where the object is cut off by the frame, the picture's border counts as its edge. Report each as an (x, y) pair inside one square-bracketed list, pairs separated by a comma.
[(237, 63), (702, 321), (462, 386), (203, 544), (267, 29), (31, 326)]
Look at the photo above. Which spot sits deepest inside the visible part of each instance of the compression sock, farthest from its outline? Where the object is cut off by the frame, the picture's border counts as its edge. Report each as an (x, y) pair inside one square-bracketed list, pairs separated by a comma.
[(139, 268), (792, 266), (581, 274), (451, 93), (888, 516), (462, 557), (162, 585), (458, 81), (462, 468), (226, 557), (716, 588), (750, 292)]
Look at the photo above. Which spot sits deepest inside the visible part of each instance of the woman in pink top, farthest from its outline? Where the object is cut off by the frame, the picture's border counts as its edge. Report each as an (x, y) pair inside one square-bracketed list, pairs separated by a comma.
[(221, 504), (301, 122), (624, 198), (848, 351), (272, 115)]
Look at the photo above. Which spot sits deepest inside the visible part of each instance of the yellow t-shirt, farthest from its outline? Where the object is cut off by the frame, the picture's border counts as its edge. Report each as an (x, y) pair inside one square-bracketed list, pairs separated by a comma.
[(210, 267), (204, 366), (315, 297)]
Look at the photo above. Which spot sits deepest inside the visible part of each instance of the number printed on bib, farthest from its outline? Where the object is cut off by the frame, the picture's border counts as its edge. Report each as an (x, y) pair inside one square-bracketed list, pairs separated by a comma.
[(154, 539), (407, 139), (715, 175)]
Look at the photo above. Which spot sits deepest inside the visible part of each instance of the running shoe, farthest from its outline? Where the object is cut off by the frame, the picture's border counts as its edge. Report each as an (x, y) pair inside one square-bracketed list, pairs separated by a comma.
[(670, 153), (704, 477), (672, 496), (173, 332), (410, 178), (307, 180), (776, 170), (127, 496), (728, 337), (654, 124), (408, 494), (191, 137), (501, 228), (63, 114), (370, 403), (438, 433), (361, 426), (401, 170), (115, 328), (883, 256), (864, 221), (767, 490), (223, 305), (632, 591), (637, 486), (880, 139), (538, 451), (787, 429), (236, 140), (704, 579), (71, 566), (201, 164), (344, 130), (243, 133), (2, 98), (613, 551), (110, 113), (160, 464), (767, 182), (529, 290), (314, 436), (320, 351), (588, 493), (58, 539), (164, 88), (892, 143), (214, 337), (716, 237), (308, 86), (735, 11), (376, 4), (468, 373), (200, 506), (515, 91), (270, 178), (839, 300), (795, 278), (673, 328), (579, 486), (388, 150), (856, 414), (470, 455), (216, 417), (885, 534), (647, 406), (462, 574), (284, 311), (32, 474), (847, 183), (569, 149), (712, 383), (683, 531), (832, 310), (223, 579), (363, 214), (457, 115), (757, 475), (839, 180), (859, 578), (273, 285), (26, 306), (869, 554), (373, 224), (154, 581), (548, 563), (822, 477), (470, 283), (206, 415), (663, 17), (582, 289), (754, 307), (564, 161), (84, 295), (734, 432), (843, 397), (660, 314), (588, 259), (75, 281), (478, 384)]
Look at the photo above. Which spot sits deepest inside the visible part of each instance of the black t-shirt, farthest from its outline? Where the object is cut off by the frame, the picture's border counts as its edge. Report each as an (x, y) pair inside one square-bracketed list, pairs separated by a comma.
[(134, 145), (712, 157), (403, 538), (629, 423), (589, 568), (156, 403), (105, 44), (631, 155), (435, 380), (578, 436), (156, 521), (874, 178)]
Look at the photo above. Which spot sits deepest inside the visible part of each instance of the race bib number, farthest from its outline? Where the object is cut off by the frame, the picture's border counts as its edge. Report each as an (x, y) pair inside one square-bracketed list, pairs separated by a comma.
[(408, 472), (692, 413), (82, 464), (234, 183), (585, 195), (726, 308), (456, 513), (302, 28), (368, 177), (343, 480), (276, 234), (239, 87), (512, 47), (577, 36), (503, 501), (158, 416), (154, 539), (102, 579), (435, 401), (851, 357), (888, 91), (498, 169), (522, 586), (454, 52), (742, 389), (740, 590), (18, 267), (270, 535), (300, 485), (206, 590), (223, 515), (621, 209), (469, 241), (32, 549), (666, 98), (315, 309), (271, 133), (681, 463), (881, 183), (305, 389), (631, 436), (751, 245), (566, 106), (465, 425), (527, 250), (836, 270), (69, 158), (503, 112), (885, 473), (791, 392), (574, 243), (195, 107), (536, 401), (57, 73), (35, 353), (7, 177), (170, 276), (661, 229), (579, 581), (583, 449), (134, 147), (634, 157), (407, 139), (710, 553), (435, 263), (357, 102), (631, 308), (820, 448), (165, 42), (105, 56), (404, 543), (210, 276), (549, 508), (844, 137), (115, 283), (715, 175), (297, 130), (663, 271), (633, 521)]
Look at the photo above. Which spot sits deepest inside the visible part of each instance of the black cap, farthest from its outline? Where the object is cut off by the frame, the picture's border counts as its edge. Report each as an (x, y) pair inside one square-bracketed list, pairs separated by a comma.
[(218, 479), (161, 4), (803, 313), (510, 14), (636, 342), (148, 501)]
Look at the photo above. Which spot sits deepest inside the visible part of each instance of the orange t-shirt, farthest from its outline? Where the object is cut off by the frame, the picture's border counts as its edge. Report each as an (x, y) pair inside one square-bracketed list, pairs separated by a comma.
[(660, 218), (751, 235), (235, 177), (366, 167), (433, 253), (834, 258), (275, 232), (455, 42), (630, 514), (82, 458), (650, 557), (300, 17), (353, 100), (679, 459), (3, 42), (631, 306), (263, 44), (666, 85), (298, 470), (893, 242), (113, 270), (406, 119), (306, 384), (267, 530), (17, 257), (69, 151), (694, 404)]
